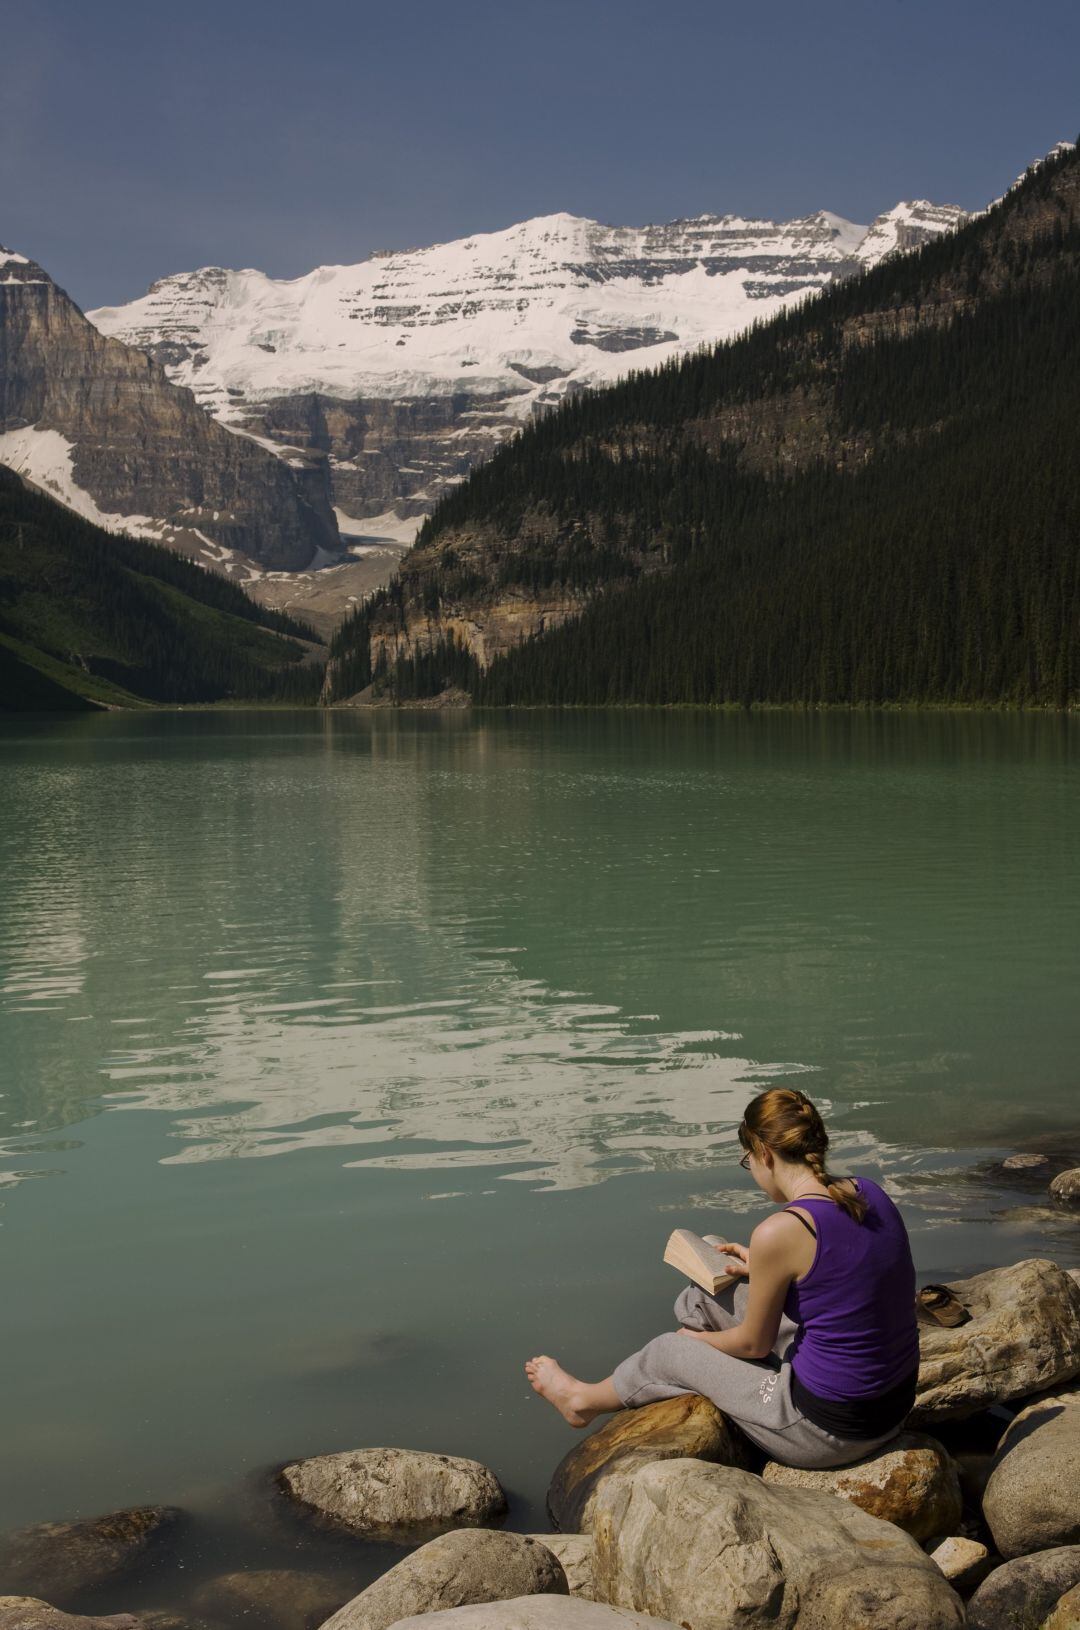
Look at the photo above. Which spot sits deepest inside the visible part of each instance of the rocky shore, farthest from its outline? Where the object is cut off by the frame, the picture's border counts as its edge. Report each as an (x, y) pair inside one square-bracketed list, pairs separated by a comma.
[(668, 1516)]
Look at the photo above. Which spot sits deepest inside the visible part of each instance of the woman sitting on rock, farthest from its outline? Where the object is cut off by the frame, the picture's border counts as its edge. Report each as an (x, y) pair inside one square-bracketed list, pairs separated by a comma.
[(816, 1357)]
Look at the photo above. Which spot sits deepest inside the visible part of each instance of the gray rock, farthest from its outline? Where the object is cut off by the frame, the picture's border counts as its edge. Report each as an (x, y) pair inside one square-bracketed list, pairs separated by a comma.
[(396, 1493), (912, 1482), (67, 1558), (281, 1597), (964, 1562), (686, 1427), (1032, 1498), (28, 1613), (714, 1548), (535, 1613), (1066, 1186), (1021, 1594), (575, 1552), (456, 1570), (1023, 1336)]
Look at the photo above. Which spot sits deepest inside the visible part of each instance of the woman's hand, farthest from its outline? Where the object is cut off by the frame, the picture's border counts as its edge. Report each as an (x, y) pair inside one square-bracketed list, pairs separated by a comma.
[(738, 1258)]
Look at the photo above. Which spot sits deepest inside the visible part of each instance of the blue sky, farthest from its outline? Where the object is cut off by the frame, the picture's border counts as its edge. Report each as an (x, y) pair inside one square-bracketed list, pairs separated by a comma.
[(142, 139)]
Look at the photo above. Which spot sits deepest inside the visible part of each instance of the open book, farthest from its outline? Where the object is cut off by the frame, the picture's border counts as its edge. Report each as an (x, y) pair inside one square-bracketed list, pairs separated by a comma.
[(699, 1259)]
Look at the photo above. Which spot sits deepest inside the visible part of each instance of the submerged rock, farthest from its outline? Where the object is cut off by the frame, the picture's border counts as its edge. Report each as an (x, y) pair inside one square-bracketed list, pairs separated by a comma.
[(470, 1565), (575, 1552), (536, 1613), (1021, 1594), (282, 1597), (1023, 1336), (28, 1613), (1032, 1497), (714, 1548), (687, 1427), (911, 1482), (67, 1558), (396, 1493)]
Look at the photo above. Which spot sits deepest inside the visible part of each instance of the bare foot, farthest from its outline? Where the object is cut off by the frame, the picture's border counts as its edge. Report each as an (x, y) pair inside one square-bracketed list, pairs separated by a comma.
[(552, 1382)]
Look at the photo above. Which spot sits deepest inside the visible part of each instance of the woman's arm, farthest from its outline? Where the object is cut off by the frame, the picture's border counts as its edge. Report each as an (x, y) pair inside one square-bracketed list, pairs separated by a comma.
[(772, 1268)]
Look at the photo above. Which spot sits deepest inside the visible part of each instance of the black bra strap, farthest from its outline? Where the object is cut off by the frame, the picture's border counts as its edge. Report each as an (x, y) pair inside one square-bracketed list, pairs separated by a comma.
[(807, 1224)]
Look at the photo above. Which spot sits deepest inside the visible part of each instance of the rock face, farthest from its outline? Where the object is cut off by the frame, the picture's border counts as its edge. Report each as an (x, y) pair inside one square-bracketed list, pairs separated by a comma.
[(461, 1568), (406, 369), (396, 1493), (1023, 1336), (280, 1598), (1066, 1615), (575, 1552), (1023, 1593), (1066, 1186), (912, 1483), (100, 426), (535, 1613), (1032, 1499), (66, 1558), (28, 1613), (687, 1427), (714, 1548)]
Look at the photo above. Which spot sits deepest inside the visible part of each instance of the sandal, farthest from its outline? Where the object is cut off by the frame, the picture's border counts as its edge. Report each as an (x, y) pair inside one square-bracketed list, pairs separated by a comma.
[(938, 1302)]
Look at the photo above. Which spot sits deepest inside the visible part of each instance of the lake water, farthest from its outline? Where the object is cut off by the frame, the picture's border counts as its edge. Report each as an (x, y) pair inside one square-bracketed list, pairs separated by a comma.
[(348, 1060)]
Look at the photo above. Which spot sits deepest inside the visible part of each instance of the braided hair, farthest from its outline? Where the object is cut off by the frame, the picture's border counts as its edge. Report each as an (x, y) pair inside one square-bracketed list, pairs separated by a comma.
[(785, 1121)]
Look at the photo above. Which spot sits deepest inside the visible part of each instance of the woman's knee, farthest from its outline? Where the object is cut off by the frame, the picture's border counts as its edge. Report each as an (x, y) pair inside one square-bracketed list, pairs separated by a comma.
[(690, 1309)]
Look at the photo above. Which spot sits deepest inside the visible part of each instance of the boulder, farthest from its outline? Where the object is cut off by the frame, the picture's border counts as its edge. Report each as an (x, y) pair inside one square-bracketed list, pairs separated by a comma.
[(28, 1613), (715, 1548), (575, 1552), (396, 1493), (280, 1597), (964, 1562), (458, 1569), (1032, 1498), (912, 1482), (1023, 1336), (68, 1558), (686, 1427), (1022, 1593), (535, 1613), (1066, 1186), (1066, 1615)]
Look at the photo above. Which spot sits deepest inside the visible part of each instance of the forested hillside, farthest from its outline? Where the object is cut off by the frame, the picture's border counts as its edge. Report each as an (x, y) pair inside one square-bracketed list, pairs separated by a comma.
[(90, 619), (873, 498)]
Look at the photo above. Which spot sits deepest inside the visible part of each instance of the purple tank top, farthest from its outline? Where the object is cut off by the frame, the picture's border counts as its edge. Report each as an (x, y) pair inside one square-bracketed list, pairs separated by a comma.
[(855, 1307)]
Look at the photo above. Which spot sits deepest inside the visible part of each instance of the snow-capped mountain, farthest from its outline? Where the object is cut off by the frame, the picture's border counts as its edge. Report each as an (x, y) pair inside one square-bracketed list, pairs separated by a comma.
[(409, 367)]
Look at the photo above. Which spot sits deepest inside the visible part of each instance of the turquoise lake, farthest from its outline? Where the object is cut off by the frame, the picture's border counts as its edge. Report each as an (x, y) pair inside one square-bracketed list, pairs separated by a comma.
[(347, 1060)]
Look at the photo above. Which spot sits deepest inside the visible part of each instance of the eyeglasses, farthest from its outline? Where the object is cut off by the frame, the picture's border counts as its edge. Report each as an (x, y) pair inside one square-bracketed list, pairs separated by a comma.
[(745, 1161)]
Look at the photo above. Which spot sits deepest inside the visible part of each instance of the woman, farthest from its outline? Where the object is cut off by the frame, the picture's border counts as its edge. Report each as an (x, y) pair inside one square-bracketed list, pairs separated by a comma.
[(816, 1356)]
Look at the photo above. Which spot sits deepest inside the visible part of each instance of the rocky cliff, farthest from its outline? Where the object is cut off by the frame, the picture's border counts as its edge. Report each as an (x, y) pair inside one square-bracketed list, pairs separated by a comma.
[(99, 425)]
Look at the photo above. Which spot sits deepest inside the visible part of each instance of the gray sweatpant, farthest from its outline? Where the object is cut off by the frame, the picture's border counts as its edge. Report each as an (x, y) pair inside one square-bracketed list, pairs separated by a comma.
[(757, 1396)]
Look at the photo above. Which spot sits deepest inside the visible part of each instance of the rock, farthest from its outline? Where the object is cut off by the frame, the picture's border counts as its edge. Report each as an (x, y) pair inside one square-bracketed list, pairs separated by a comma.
[(1066, 1186), (1024, 1163), (27, 1613), (535, 1613), (575, 1552), (397, 1493), (67, 1558), (1023, 1336), (1032, 1499), (686, 1427), (1022, 1593), (715, 1548), (912, 1482), (1066, 1615), (282, 1597), (455, 1570), (964, 1562)]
